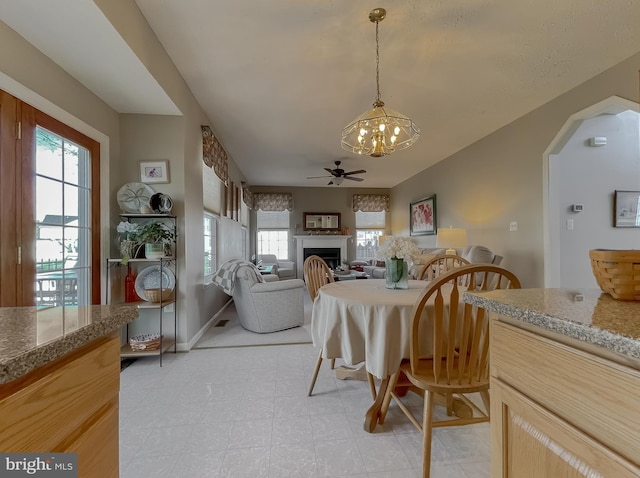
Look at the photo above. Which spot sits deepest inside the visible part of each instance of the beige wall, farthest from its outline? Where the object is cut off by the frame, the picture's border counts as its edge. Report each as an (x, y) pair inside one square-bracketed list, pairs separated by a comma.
[(499, 179), (183, 141)]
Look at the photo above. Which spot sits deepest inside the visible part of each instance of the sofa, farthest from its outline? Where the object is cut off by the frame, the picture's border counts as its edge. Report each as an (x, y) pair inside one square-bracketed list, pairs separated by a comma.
[(283, 269), (474, 254), (267, 306)]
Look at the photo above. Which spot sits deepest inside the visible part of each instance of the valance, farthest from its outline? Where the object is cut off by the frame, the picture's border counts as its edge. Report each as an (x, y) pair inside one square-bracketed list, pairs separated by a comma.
[(214, 155), (247, 195), (370, 202), (273, 201)]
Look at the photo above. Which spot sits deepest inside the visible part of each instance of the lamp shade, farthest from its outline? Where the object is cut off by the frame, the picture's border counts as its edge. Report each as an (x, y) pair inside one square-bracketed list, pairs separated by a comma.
[(382, 239), (452, 238)]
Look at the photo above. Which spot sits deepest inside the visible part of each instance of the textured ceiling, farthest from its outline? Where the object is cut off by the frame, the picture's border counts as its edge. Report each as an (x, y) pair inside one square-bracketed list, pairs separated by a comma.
[(280, 78)]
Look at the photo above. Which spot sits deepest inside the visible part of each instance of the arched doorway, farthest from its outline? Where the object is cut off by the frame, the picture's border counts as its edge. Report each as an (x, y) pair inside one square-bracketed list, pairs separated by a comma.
[(568, 235)]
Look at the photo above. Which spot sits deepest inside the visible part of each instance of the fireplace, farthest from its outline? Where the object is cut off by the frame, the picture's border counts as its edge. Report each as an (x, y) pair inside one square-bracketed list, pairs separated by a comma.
[(320, 245), (331, 255)]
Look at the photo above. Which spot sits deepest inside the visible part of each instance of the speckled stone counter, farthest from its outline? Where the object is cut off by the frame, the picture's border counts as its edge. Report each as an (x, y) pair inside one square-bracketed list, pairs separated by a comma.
[(587, 315), (32, 337)]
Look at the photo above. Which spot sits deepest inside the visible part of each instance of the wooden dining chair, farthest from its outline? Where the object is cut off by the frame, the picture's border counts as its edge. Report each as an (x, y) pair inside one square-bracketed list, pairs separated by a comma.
[(441, 265), (459, 341), (316, 274)]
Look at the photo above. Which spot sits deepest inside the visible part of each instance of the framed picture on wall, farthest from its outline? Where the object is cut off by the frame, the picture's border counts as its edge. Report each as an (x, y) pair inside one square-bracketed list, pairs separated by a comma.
[(422, 217), (154, 171), (626, 209)]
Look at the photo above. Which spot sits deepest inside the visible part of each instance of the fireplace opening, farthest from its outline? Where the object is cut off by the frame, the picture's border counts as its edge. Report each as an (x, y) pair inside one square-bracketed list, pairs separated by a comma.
[(331, 255)]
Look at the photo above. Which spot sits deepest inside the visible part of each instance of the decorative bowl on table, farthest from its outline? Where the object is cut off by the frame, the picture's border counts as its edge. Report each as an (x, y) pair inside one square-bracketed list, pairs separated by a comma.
[(617, 272), (145, 342), (157, 295)]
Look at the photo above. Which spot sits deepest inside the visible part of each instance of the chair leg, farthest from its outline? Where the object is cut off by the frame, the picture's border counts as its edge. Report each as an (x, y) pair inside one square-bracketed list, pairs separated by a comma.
[(372, 386), (427, 430), (333, 364), (387, 396), (315, 373)]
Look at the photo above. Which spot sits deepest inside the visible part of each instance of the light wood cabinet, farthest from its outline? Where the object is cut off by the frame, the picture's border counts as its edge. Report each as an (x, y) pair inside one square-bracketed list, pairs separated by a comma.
[(558, 410), (68, 405)]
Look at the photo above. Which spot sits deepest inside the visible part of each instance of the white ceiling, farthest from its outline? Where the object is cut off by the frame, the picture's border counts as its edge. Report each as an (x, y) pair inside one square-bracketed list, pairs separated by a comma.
[(280, 78)]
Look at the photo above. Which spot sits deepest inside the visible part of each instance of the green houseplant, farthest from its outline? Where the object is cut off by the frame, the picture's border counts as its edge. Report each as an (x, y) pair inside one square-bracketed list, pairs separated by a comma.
[(157, 237)]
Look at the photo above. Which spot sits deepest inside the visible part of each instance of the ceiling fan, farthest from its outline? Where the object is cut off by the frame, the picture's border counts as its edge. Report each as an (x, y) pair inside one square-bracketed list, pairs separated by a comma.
[(338, 175)]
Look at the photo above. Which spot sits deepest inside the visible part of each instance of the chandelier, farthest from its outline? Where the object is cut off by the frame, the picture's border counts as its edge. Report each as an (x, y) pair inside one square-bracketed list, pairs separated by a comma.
[(381, 130)]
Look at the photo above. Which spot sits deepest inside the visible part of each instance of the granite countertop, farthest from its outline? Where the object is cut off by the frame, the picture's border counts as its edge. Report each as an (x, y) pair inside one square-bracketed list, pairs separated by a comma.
[(588, 315), (32, 337)]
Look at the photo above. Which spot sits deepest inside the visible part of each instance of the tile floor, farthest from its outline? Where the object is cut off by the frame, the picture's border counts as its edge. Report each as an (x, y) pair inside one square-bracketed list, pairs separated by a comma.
[(244, 412)]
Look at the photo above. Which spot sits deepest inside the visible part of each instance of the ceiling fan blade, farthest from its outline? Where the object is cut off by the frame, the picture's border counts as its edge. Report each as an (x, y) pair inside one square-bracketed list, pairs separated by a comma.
[(317, 177), (331, 171), (353, 179), (359, 171)]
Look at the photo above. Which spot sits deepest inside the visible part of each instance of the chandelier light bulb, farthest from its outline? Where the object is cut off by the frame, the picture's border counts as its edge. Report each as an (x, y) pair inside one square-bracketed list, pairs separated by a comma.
[(381, 142)]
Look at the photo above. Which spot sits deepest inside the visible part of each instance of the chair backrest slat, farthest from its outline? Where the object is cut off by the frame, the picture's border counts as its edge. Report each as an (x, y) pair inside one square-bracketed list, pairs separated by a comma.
[(458, 333), (441, 265), (316, 274)]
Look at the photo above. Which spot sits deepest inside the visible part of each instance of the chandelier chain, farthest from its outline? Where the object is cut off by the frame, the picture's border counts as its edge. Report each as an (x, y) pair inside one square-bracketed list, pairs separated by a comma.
[(377, 64)]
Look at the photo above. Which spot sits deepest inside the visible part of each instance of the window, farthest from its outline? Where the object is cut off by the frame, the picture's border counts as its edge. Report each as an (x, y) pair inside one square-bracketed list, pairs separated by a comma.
[(273, 233), (210, 258), (369, 227)]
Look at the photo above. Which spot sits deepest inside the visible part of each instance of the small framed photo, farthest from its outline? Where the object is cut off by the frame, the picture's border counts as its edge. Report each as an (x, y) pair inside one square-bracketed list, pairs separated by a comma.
[(422, 217), (626, 209), (154, 171)]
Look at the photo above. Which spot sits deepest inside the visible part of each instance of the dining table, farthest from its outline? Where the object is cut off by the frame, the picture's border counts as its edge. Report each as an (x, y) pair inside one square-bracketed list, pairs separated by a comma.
[(364, 321)]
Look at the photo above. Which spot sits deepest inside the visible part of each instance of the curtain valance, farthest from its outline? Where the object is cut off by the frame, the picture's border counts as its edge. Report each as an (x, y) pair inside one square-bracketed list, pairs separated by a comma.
[(214, 155), (273, 201), (247, 195), (370, 202)]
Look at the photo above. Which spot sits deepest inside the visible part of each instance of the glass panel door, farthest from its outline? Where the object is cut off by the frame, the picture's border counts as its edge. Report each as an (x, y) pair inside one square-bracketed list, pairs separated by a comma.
[(63, 221)]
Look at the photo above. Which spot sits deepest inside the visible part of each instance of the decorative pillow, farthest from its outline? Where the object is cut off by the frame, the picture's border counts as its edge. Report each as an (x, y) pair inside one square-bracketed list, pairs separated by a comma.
[(424, 258), (478, 254), (380, 264)]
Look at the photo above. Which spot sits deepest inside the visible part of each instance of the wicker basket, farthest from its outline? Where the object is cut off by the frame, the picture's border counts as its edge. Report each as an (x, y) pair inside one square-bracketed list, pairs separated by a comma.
[(154, 295), (145, 342), (617, 272)]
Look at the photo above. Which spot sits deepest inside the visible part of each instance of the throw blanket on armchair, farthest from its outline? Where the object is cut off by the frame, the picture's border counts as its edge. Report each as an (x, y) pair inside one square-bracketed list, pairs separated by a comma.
[(225, 276)]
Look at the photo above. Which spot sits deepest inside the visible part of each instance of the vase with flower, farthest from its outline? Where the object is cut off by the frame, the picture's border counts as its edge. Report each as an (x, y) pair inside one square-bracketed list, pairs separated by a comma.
[(395, 252)]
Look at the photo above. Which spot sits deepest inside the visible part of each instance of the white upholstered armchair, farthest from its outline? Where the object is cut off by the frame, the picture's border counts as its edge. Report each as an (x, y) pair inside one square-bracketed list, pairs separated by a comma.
[(267, 306), (284, 269)]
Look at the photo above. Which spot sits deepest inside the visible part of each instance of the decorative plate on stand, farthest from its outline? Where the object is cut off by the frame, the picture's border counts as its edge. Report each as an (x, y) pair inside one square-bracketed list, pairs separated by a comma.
[(132, 196), (154, 277)]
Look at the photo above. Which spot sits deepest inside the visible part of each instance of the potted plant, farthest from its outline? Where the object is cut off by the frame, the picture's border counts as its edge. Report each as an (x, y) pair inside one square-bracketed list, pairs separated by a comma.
[(157, 237)]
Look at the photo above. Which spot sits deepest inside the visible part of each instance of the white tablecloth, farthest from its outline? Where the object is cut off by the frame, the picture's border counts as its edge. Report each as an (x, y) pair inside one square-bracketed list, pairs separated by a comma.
[(362, 320)]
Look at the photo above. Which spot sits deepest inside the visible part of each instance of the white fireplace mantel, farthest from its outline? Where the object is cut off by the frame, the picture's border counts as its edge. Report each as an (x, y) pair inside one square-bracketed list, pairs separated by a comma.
[(308, 241)]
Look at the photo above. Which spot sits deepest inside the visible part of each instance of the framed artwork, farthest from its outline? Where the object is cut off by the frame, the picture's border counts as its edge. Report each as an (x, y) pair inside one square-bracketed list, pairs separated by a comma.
[(626, 209), (154, 171), (422, 217)]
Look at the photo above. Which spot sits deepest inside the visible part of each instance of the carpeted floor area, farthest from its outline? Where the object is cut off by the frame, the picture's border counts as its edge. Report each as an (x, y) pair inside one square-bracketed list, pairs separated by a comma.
[(227, 332)]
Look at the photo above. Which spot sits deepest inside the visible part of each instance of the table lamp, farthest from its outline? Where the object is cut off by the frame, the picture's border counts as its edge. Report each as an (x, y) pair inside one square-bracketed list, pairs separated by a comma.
[(382, 239), (452, 239)]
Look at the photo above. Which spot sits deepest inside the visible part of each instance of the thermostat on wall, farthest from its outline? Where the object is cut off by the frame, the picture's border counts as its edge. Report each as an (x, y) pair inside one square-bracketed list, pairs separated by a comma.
[(577, 207)]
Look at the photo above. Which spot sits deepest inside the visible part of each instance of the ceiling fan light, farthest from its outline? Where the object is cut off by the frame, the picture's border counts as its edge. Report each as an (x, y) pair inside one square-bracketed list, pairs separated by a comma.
[(405, 132)]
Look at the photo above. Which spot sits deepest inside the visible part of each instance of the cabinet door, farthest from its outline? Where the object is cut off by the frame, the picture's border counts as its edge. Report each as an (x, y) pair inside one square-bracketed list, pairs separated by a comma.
[(528, 441)]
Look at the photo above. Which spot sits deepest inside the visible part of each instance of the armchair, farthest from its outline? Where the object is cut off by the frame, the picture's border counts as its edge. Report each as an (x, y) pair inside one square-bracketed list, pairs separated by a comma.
[(267, 306), (284, 269)]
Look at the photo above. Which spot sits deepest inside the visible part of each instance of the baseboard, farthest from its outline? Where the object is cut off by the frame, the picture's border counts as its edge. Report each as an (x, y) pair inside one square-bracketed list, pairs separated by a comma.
[(186, 347)]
